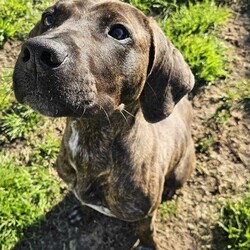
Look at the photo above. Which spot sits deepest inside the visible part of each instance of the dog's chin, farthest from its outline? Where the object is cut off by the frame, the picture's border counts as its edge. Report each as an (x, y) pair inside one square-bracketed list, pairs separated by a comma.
[(45, 107)]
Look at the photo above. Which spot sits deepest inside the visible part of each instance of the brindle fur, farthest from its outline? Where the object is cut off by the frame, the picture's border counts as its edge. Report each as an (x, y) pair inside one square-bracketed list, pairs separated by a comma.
[(127, 139)]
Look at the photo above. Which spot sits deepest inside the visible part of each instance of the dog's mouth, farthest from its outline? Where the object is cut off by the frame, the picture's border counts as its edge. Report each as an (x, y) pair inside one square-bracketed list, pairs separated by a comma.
[(44, 105), (55, 107)]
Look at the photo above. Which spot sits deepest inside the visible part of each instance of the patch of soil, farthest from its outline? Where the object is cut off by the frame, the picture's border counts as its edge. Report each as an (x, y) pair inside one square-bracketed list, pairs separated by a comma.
[(94, 232), (8, 54), (224, 169), (222, 172)]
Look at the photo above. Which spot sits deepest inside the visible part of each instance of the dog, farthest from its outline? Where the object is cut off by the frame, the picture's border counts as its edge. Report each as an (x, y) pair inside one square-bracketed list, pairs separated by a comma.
[(123, 87)]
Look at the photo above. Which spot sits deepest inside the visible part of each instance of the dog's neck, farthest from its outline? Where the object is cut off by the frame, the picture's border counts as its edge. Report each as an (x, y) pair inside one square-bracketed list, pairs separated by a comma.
[(119, 121), (89, 137)]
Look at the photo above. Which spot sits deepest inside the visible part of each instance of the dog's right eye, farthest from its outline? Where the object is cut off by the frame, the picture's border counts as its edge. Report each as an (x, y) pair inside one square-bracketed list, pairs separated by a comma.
[(48, 20)]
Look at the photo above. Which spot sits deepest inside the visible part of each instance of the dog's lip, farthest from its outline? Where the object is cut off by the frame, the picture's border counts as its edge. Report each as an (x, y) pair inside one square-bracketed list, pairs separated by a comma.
[(32, 94), (29, 97)]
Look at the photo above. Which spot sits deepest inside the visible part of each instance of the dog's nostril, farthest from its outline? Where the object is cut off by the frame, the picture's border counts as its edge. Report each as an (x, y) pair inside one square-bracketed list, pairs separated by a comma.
[(47, 59), (26, 55), (50, 60)]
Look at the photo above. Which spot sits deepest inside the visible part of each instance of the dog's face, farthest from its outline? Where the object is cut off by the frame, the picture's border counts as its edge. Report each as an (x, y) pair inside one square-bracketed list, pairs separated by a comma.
[(86, 57), (83, 59)]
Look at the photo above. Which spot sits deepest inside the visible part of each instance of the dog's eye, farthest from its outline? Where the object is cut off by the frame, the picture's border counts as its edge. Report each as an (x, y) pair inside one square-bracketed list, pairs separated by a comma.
[(48, 20), (119, 32)]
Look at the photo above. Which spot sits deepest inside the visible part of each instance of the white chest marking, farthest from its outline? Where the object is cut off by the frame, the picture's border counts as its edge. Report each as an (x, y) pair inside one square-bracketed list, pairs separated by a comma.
[(73, 140), (99, 209)]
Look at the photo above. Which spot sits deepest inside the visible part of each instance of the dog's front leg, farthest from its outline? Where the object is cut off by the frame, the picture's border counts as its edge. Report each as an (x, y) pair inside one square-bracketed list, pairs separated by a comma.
[(146, 234)]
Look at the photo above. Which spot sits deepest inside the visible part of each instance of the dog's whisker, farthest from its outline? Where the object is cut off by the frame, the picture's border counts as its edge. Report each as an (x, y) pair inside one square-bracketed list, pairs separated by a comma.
[(128, 113), (106, 114), (121, 108), (151, 88), (124, 116), (75, 110), (84, 110)]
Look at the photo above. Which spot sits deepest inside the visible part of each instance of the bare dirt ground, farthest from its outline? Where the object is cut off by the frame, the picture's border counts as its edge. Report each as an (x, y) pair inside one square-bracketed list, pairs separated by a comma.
[(222, 172)]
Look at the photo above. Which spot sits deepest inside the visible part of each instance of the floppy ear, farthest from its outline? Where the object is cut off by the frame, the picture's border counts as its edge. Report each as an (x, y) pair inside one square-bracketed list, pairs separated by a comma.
[(169, 77)]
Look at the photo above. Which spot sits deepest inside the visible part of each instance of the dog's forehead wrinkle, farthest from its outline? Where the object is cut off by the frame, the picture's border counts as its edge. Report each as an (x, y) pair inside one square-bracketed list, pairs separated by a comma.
[(76, 7), (112, 11)]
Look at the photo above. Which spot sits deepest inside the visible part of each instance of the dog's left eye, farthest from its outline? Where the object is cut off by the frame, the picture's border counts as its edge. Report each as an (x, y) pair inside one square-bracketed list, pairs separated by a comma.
[(119, 32), (48, 20)]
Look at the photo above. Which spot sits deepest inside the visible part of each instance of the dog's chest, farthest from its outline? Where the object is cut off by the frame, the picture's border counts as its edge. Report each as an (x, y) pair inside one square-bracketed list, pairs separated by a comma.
[(89, 145), (89, 159)]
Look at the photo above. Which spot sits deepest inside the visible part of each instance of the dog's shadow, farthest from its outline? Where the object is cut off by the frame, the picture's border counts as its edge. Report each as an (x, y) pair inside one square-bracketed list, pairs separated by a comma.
[(94, 231)]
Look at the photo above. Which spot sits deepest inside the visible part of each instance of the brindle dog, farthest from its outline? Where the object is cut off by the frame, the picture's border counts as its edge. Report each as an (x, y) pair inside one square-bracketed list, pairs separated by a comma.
[(122, 85)]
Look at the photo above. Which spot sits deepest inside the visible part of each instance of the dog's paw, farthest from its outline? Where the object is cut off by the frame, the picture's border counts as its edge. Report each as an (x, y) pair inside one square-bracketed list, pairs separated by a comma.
[(168, 194), (76, 215)]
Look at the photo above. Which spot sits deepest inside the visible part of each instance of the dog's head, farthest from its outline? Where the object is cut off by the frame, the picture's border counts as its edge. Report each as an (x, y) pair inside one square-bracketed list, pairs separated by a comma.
[(86, 57)]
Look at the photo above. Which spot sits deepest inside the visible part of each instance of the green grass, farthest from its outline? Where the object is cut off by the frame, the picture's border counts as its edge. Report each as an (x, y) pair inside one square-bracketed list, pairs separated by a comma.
[(26, 193), (235, 222), (193, 29), (204, 144), (168, 209), (27, 188), (239, 94), (18, 121), (45, 151), (18, 16), (151, 7), (5, 89), (236, 97)]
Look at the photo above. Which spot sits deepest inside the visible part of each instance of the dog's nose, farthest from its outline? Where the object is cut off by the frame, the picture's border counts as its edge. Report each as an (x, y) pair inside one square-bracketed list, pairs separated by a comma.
[(45, 53)]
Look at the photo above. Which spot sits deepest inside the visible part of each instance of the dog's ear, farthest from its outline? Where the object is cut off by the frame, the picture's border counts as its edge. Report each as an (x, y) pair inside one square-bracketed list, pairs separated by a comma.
[(169, 77)]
